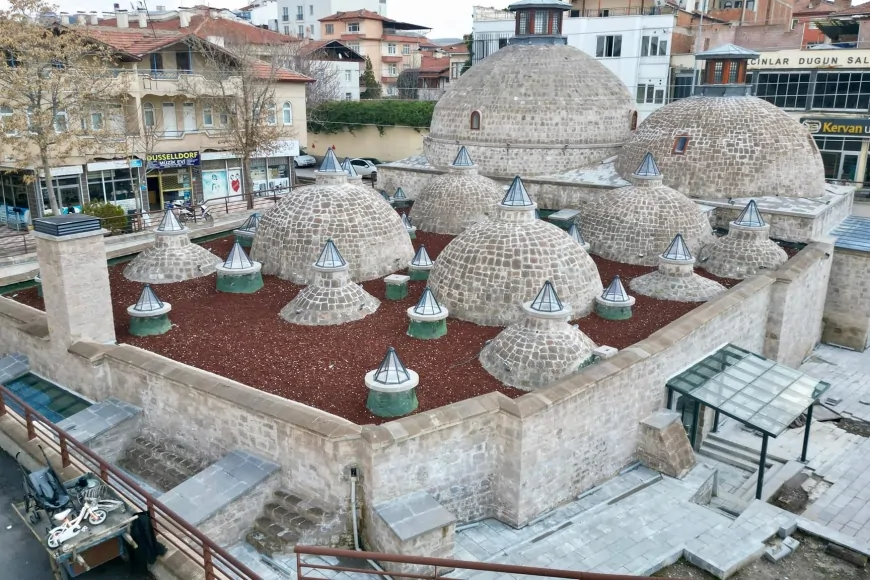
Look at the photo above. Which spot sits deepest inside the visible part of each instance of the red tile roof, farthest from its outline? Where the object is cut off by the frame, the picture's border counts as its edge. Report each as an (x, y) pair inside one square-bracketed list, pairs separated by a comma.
[(458, 48), (355, 15), (433, 66), (203, 26), (861, 9)]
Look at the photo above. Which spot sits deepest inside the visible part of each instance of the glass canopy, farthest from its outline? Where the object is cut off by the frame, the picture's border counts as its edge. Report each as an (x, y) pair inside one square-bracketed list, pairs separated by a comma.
[(756, 391)]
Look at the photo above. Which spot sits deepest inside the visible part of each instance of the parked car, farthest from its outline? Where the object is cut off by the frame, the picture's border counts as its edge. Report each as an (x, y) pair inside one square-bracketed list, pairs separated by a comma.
[(304, 159), (365, 168), (374, 160)]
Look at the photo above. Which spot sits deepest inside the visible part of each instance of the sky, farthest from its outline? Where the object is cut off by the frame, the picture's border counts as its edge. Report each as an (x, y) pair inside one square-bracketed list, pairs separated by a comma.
[(447, 18)]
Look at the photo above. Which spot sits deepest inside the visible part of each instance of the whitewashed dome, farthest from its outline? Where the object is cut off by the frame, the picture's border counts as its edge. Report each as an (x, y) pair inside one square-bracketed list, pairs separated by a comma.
[(368, 230), (486, 272), (735, 146), (451, 202), (634, 224)]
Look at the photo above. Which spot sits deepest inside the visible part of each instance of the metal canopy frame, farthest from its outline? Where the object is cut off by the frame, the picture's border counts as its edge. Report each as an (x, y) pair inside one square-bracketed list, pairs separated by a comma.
[(752, 390)]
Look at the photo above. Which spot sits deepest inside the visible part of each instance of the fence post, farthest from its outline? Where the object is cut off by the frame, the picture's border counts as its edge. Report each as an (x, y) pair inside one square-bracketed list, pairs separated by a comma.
[(64, 452), (2, 404), (31, 430), (206, 561), (149, 507)]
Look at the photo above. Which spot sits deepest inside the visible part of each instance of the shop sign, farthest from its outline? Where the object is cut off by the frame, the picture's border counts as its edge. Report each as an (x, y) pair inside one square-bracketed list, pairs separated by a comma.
[(134, 163), (173, 160), (809, 59), (65, 170), (818, 126), (218, 155), (108, 165), (283, 148)]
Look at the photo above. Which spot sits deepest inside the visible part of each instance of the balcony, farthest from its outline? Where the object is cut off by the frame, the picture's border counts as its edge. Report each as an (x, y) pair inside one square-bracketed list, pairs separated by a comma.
[(391, 57)]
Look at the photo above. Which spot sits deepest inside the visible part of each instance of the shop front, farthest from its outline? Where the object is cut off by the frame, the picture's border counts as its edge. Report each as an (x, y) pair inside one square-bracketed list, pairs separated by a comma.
[(116, 181), (14, 204), (844, 144), (221, 176), (271, 172), (170, 177), (67, 183)]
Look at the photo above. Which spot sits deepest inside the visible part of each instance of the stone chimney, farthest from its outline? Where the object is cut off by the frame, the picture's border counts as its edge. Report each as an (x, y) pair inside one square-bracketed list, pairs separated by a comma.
[(123, 19), (183, 18), (143, 20), (75, 279), (95, 18)]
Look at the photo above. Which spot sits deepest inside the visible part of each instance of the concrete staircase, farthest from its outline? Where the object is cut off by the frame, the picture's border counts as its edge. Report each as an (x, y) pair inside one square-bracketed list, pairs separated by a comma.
[(777, 471), (161, 462), (287, 520)]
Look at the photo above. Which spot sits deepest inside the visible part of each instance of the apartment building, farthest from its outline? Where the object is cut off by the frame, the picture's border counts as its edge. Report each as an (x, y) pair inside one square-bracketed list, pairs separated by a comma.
[(345, 65), (158, 71), (302, 17), (439, 66), (391, 45), (632, 38)]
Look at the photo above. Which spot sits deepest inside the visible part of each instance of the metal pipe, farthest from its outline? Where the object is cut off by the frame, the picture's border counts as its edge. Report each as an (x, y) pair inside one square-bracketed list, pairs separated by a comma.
[(356, 545), (761, 464), (807, 433)]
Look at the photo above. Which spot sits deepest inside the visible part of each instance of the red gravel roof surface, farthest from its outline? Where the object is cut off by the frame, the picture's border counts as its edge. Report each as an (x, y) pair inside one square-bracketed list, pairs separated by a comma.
[(241, 337)]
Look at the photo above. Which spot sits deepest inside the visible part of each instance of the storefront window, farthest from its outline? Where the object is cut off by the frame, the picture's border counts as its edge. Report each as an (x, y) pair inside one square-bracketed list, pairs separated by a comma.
[(840, 157), (67, 189), (13, 198), (786, 90), (270, 174), (842, 90), (221, 178), (116, 186)]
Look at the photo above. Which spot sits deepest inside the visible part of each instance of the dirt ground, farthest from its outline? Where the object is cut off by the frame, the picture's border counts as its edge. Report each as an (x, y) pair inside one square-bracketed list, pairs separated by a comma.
[(808, 562)]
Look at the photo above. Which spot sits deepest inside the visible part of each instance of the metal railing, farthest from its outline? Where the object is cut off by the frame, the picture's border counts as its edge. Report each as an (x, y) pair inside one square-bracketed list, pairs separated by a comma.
[(215, 562), (440, 567), (633, 11), (16, 244)]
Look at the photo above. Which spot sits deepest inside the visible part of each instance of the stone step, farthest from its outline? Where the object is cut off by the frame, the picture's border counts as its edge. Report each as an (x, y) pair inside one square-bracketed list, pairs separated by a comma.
[(735, 452), (776, 480), (270, 538), (748, 488), (754, 451), (290, 518), (157, 464), (727, 458)]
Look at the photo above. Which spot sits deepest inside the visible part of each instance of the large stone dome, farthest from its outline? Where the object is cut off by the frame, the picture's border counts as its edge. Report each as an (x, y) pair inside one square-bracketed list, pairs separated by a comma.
[(449, 203), (735, 147), (542, 109), (635, 224), (485, 273), (368, 230)]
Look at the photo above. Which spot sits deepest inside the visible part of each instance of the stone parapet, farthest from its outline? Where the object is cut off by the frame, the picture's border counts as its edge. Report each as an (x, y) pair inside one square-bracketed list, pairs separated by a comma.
[(847, 312)]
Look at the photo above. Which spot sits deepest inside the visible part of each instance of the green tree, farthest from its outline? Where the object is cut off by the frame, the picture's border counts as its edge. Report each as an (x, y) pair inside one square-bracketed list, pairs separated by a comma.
[(373, 87), (469, 43)]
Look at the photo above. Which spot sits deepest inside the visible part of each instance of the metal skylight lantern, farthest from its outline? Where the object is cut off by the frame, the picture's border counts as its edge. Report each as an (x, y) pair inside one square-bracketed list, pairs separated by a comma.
[(246, 232), (400, 199), (239, 274), (614, 303), (420, 265), (577, 236), (409, 227), (392, 387), (428, 317), (150, 315)]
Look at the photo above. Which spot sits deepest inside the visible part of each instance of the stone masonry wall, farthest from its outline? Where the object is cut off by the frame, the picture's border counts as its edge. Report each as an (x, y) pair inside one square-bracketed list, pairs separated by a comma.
[(230, 524), (110, 444), (794, 324), (847, 315)]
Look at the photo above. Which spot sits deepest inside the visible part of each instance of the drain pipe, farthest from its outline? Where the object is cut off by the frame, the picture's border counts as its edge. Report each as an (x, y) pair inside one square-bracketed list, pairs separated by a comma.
[(356, 546)]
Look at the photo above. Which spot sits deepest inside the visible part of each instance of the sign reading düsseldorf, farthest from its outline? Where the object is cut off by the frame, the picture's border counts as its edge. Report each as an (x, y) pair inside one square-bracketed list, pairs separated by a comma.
[(173, 160), (837, 126)]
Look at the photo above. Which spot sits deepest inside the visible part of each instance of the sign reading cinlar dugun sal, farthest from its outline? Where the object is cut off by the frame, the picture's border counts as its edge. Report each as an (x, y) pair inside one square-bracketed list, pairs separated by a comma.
[(173, 160), (818, 126)]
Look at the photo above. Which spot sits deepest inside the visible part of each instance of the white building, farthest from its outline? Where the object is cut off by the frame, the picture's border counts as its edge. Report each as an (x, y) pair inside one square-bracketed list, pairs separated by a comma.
[(264, 14), (633, 42), (301, 17), (347, 66)]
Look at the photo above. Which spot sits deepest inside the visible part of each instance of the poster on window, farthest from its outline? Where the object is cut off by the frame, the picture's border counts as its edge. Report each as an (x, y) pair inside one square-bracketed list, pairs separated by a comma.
[(259, 179), (214, 184), (235, 176)]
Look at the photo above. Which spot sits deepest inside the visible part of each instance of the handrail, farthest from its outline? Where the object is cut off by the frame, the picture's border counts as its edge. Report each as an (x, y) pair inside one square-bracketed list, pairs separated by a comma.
[(436, 563), (214, 560)]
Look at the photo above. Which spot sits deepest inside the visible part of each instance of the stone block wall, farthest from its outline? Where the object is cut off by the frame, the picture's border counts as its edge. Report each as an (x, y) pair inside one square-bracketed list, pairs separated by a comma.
[(412, 181), (663, 444), (110, 444), (847, 311), (794, 323), (230, 525)]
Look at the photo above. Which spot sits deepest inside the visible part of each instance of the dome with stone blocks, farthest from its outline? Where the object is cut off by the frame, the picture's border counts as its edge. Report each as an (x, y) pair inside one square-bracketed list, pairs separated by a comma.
[(733, 146), (449, 203), (533, 110), (368, 230), (635, 224), (485, 273)]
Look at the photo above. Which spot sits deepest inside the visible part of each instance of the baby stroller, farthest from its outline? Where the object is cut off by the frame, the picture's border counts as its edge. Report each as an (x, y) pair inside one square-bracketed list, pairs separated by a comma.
[(43, 490)]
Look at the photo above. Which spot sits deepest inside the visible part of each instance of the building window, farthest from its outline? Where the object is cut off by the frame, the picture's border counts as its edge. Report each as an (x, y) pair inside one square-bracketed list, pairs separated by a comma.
[(680, 144), (393, 70), (353, 26), (60, 123), (650, 94), (540, 22), (300, 13), (354, 46), (391, 48), (794, 23), (632, 123), (270, 114), (348, 97), (524, 22), (727, 5), (182, 62), (732, 71), (609, 46), (311, 9), (112, 186), (475, 121), (839, 157), (287, 113), (556, 23), (96, 121), (287, 30), (653, 46), (5, 112), (812, 25), (300, 30), (148, 115), (717, 72), (406, 49), (785, 90), (330, 29), (348, 76), (207, 116), (285, 13), (456, 69), (156, 62), (842, 90)]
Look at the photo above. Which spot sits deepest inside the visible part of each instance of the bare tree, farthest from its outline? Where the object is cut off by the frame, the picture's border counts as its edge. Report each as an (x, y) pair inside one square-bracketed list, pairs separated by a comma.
[(58, 91), (315, 64), (239, 84), (141, 139)]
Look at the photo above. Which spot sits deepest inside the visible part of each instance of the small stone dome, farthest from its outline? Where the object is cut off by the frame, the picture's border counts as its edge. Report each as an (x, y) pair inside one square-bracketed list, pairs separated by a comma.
[(746, 250), (634, 224), (735, 146), (532, 109), (369, 232), (486, 272), (451, 202), (675, 278)]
